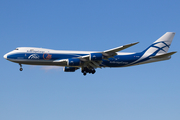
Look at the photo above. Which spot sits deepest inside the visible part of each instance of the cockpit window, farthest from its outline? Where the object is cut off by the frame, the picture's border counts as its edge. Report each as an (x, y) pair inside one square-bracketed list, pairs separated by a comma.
[(16, 49)]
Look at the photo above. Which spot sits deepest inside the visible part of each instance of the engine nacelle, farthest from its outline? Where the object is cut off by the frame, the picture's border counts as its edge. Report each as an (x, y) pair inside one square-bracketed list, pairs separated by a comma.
[(69, 69), (96, 56), (74, 62)]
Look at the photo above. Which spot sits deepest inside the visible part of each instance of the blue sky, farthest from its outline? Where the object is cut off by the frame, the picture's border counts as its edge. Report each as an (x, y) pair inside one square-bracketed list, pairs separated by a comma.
[(144, 92)]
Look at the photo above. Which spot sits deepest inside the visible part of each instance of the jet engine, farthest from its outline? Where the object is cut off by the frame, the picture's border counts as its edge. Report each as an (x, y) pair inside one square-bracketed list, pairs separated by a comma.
[(74, 62), (96, 56), (69, 69)]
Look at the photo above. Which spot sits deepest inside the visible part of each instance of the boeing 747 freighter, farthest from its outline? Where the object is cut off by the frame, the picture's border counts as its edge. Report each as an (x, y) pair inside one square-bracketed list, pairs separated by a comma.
[(88, 61)]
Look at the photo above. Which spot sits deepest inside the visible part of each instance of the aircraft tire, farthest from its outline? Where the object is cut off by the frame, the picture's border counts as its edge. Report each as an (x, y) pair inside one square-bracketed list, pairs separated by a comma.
[(84, 73), (93, 71)]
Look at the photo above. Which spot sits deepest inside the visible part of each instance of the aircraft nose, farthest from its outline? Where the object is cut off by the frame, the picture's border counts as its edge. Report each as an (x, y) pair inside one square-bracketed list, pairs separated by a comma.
[(5, 56)]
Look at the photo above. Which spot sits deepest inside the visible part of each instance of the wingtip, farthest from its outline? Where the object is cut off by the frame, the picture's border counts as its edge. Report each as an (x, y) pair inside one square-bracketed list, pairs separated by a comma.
[(135, 43)]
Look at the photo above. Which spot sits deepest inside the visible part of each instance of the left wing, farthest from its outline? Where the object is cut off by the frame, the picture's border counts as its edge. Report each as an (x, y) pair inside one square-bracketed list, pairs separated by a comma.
[(111, 52), (93, 60), (114, 50)]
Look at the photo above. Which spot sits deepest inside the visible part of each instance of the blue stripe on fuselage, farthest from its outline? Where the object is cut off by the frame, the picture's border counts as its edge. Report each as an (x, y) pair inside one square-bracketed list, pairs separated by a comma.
[(117, 61)]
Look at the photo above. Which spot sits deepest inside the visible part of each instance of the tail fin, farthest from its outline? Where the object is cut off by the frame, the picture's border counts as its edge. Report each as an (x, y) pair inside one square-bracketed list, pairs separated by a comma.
[(161, 46)]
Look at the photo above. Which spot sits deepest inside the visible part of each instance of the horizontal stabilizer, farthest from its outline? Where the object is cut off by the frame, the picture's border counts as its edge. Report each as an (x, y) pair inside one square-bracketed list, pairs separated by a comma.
[(163, 55)]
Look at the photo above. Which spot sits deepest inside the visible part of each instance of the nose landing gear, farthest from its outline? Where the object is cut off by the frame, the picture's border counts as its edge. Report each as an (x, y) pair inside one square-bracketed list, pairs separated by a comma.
[(21, 69)]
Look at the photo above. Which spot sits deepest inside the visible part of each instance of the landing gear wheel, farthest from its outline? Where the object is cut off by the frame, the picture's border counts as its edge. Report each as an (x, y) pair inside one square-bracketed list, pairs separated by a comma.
[(20, 67), (84, 73), (93, 71)]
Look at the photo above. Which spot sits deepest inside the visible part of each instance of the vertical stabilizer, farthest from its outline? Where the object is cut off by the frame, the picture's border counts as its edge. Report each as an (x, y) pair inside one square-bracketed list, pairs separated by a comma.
[(161, 45), (157, 50)]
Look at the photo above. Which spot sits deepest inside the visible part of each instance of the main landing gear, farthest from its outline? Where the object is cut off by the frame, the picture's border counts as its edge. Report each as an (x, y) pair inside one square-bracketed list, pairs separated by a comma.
[(21, 69), (87, 70)]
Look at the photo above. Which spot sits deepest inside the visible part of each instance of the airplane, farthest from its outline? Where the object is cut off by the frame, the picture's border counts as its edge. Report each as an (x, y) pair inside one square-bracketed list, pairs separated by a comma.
[(88, 61)]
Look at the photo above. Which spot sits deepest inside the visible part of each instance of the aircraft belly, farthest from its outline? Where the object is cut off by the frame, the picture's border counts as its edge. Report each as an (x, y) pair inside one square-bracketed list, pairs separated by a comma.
[(38, 62)]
